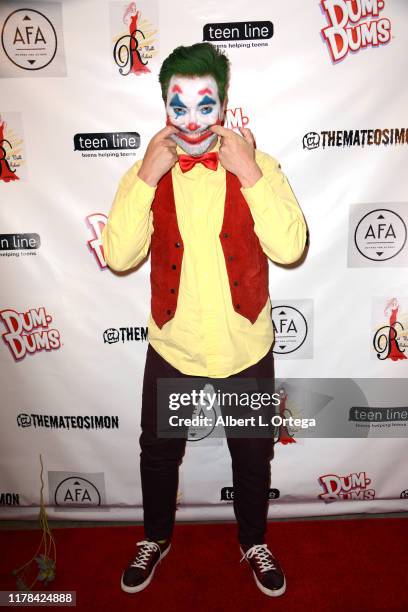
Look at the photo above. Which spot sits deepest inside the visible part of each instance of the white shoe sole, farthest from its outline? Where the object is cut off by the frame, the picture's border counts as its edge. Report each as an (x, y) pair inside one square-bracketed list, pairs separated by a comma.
[(270, 592), (143, 585)]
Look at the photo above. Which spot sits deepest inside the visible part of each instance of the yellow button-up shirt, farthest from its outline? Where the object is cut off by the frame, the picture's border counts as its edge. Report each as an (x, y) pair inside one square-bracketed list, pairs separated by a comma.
[(206, 336)]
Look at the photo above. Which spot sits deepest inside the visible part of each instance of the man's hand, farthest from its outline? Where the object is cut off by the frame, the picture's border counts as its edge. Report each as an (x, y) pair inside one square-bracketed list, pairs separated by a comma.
[(237, 154), (160, 156)]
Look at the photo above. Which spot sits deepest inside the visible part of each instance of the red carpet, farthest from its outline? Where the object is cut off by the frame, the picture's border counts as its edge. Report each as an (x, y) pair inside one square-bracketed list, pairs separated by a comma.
[(332, 565)]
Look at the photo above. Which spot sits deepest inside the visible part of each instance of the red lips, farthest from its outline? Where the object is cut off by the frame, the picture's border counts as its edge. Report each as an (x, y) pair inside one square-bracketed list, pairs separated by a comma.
[(191, 139)]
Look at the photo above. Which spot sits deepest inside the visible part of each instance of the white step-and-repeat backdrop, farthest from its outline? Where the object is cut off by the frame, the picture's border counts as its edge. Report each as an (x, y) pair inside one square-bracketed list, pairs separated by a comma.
[(323, 87)]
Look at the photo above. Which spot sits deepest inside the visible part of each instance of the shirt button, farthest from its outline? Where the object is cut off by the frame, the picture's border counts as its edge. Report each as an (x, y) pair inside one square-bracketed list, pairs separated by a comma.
[(172, 291), (168, 311), (177, 245), (230, 257), (236, 283), (226, 235), (174, 267)]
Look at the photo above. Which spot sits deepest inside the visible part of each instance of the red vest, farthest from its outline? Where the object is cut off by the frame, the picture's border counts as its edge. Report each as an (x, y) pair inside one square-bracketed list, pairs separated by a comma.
[(246, 263)]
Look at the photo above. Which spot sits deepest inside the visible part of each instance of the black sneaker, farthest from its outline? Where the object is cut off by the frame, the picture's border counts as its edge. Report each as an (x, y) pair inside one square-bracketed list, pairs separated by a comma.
[(267, 572), (139, 572)]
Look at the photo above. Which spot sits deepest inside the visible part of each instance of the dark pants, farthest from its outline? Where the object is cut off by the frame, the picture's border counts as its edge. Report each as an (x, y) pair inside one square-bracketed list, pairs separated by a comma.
[(160, 459)]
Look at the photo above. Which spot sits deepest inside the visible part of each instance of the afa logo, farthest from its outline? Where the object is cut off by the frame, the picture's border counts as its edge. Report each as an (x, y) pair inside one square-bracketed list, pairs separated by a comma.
[(75, 490), (292, 327), (29, 332), (351, 487), (354, 25), (96, 222), (12, 157), (380, 235), (32, 41), (135, 38)]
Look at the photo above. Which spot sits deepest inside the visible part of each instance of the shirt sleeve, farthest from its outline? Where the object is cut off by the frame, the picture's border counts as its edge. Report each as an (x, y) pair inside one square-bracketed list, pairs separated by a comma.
[(127, 233), (278, 219)]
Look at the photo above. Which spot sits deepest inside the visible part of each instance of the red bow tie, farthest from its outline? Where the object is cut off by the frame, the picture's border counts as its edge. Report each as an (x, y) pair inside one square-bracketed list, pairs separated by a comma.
[(210, 160)]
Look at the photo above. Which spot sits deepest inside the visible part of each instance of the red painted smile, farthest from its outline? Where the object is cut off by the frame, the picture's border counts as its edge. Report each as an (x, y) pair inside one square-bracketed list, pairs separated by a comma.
[(192, 139)]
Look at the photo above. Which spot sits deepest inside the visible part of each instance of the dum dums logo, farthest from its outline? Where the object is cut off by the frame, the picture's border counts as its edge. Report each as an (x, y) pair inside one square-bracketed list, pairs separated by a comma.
[(354, 486), (96, 222), (29, 332), (354, 25)]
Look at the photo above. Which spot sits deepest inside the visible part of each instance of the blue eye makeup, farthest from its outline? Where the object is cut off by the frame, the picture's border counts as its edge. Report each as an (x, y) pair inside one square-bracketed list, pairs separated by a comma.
[(206, 110), (178, 106), (207, 101), (204, 107)]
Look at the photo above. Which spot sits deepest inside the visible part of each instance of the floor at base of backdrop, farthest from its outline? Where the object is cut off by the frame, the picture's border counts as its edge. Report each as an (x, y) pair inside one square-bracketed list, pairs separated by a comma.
[(330, 565)]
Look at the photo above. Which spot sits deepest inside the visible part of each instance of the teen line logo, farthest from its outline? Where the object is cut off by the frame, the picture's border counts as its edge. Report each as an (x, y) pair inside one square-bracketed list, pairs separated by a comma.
[(217, 33), (107, 144)]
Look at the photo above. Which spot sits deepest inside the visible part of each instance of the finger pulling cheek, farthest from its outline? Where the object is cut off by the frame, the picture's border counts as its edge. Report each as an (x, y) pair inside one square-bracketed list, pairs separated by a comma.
[(173, 122)]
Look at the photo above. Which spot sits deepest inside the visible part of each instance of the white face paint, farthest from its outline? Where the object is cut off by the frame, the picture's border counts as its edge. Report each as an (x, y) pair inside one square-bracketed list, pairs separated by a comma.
[(193, 105)]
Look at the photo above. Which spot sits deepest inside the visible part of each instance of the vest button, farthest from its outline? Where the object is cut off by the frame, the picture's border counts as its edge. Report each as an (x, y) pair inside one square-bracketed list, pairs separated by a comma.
[(226, 235), (174, 267), (237, 306), (168, 311), (172, 291), (230, 257), (177, 244), (236, 283)]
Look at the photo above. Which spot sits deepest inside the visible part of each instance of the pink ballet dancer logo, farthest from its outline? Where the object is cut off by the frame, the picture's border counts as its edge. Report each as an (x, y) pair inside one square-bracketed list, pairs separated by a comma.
[(386, 339), (6, 173), (133, 50)]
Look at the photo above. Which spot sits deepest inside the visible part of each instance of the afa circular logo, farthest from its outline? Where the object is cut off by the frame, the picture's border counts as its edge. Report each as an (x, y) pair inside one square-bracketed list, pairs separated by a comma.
[(380, 235), (77, 491), (29, 39), (204, 428), (290, 329)]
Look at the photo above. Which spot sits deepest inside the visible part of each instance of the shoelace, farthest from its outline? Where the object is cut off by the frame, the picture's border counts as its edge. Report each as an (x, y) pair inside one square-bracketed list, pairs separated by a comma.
[(142, 556), (262, 555)]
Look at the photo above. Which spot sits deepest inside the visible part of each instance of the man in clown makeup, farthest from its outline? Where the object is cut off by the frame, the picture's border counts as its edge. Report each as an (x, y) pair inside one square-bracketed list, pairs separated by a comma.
[(211, 208)]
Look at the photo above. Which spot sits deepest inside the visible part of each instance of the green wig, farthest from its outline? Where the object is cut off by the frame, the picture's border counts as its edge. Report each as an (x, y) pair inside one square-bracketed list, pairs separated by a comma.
[(197, 60)]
